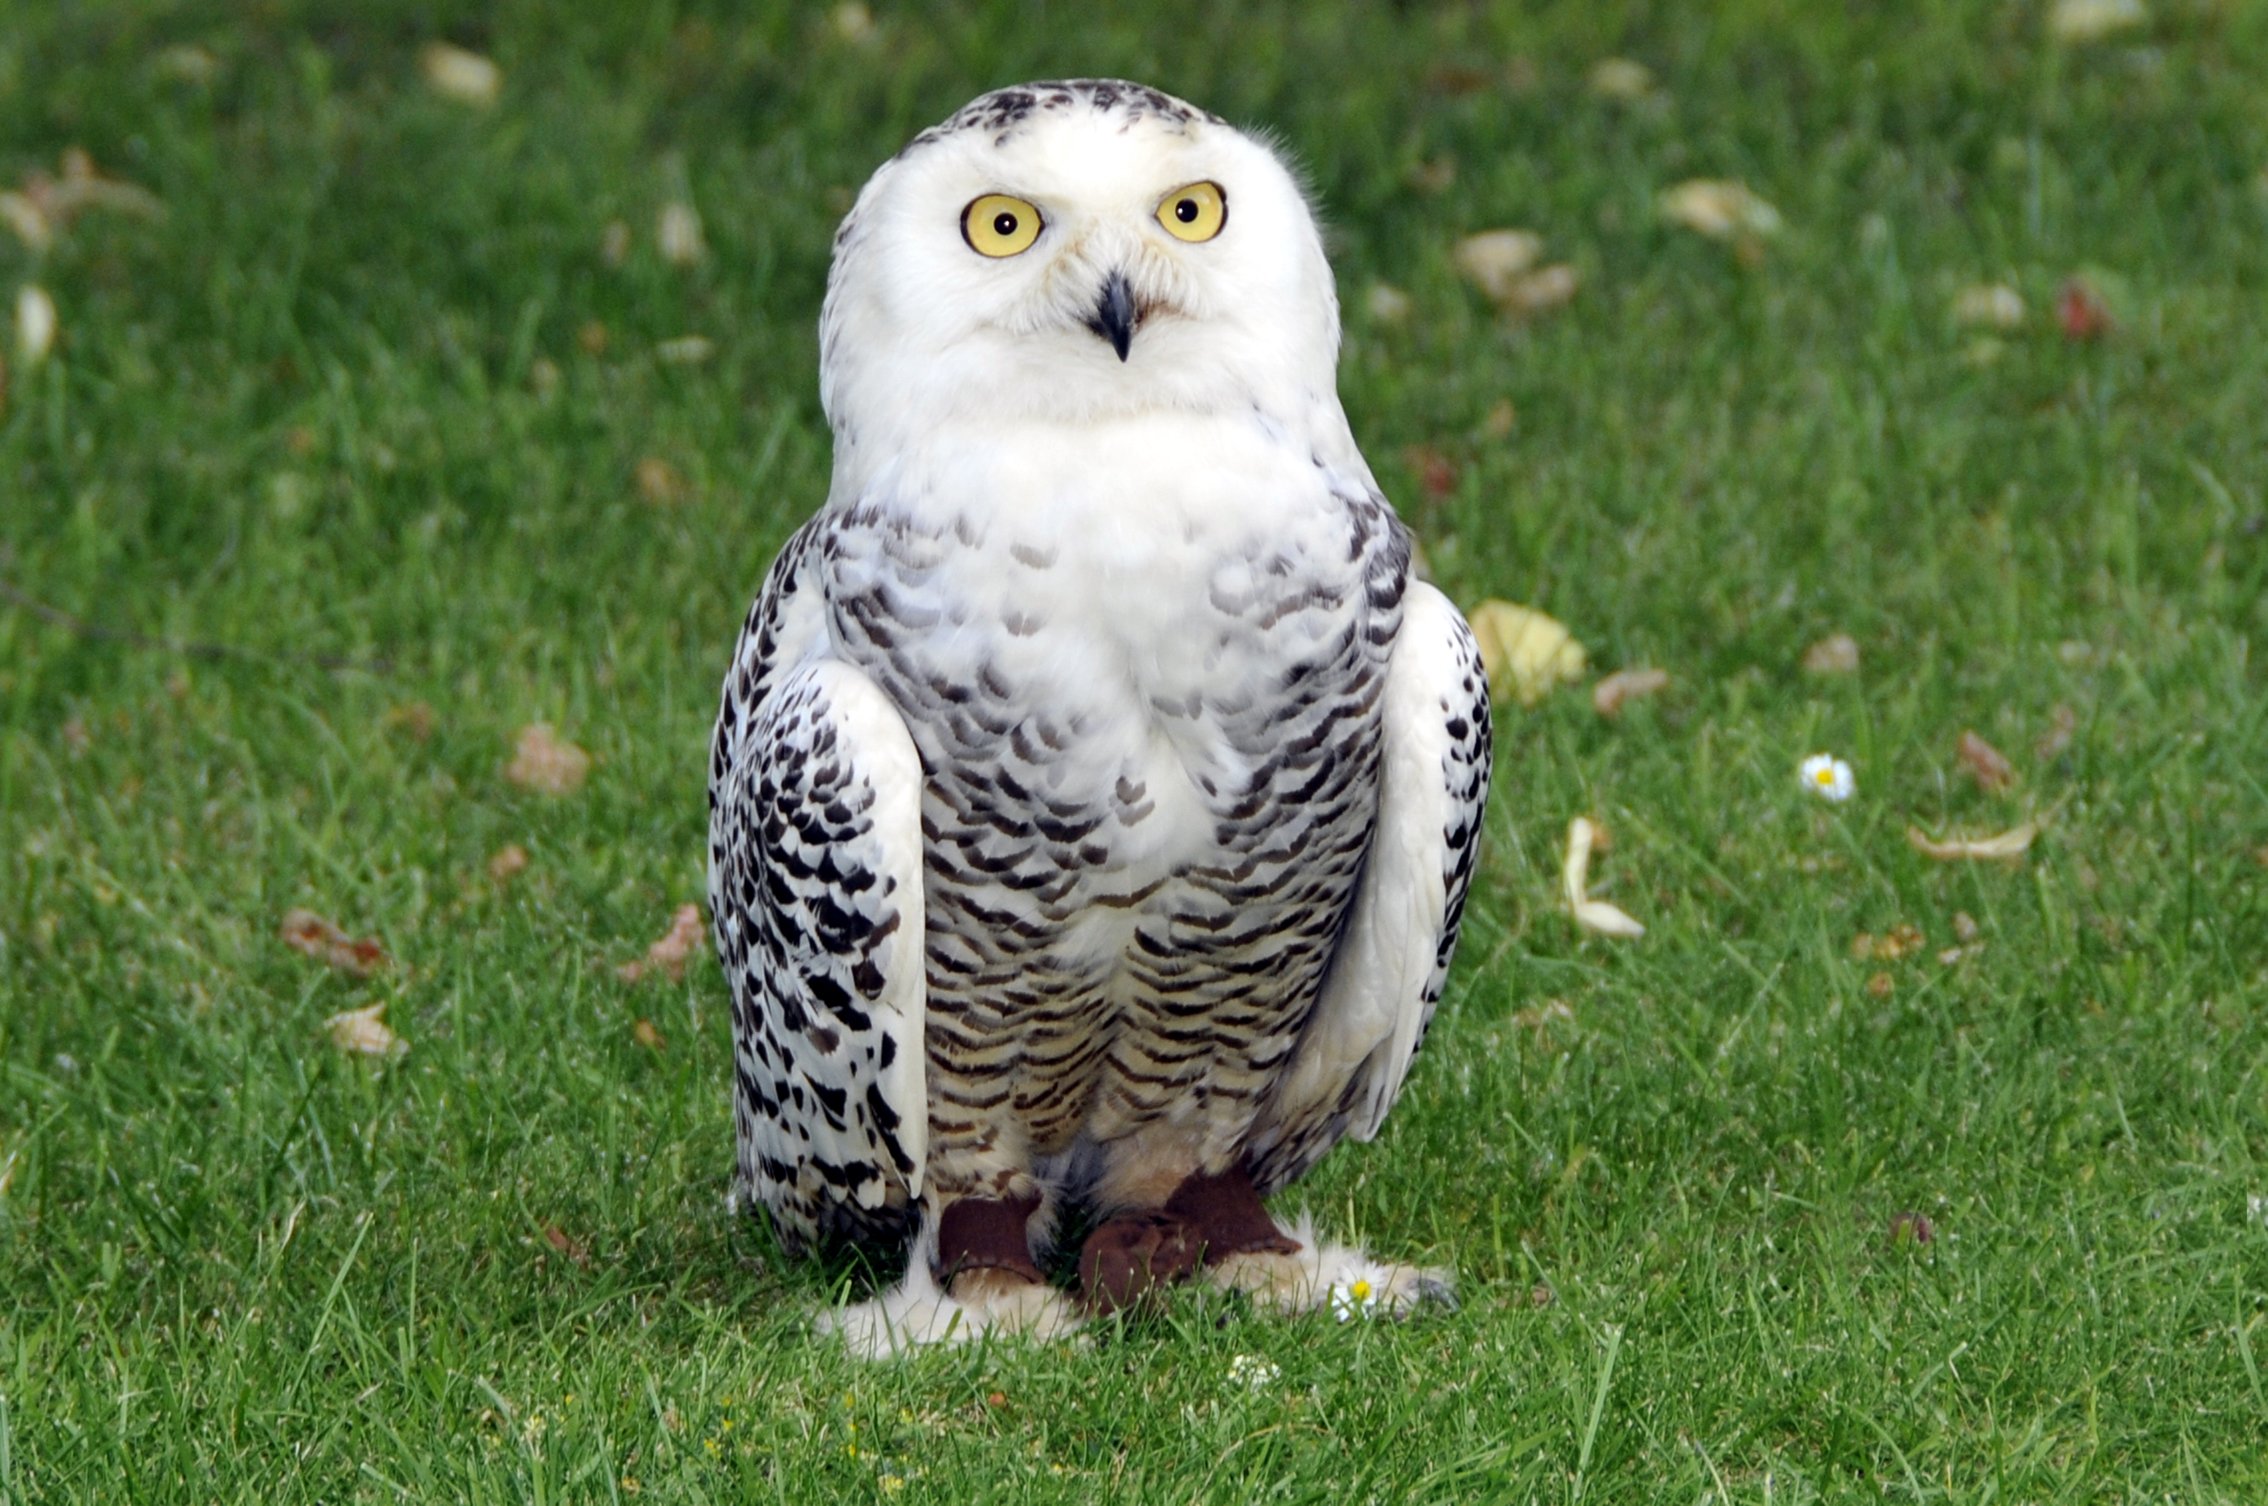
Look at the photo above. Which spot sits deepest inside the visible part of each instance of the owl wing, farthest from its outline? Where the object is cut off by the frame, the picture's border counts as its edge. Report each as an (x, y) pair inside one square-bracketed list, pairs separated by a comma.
[(816, 895), (1393, 952)]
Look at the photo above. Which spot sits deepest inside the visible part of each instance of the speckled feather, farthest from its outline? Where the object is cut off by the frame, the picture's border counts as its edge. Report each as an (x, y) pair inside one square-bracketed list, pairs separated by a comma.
[(1092, 783)]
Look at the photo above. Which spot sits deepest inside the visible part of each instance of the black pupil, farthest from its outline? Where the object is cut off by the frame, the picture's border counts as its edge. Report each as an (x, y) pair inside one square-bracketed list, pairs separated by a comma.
[(1003, 224), (1186, 211)]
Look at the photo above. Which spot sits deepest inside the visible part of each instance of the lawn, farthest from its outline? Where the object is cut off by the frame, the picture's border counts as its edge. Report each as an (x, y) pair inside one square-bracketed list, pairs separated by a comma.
[(367, 441)]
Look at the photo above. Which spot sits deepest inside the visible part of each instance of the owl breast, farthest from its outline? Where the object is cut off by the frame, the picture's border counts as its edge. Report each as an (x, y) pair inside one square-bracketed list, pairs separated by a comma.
[(1141, 665)]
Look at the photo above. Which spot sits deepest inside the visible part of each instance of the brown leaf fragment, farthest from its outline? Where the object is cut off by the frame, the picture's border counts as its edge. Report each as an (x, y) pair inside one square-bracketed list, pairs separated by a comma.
[(592, 338), (415, 719), (2063, 723), (1625, 685), (545, 762), (1836, 654), (2004, 847), (566, 1244), (1984, 763), (1881, 986), (644, 1033), (659, 482), (1911, 1228), (507, 862), (305, 931), (667, 956), (1894, 945), (2081, 310), (1436, 472), (1495, 259), (364, 1032)]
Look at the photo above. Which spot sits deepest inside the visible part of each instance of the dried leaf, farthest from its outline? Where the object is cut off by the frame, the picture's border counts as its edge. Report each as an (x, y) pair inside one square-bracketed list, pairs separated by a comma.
[(659, 482), (644, 1033), (685, 350), (1621, 79), (454, 73), (2063, 722), (2076, 23), (1895, 945), (2005, 847), (567, 1245), (1541, 291), (1434, 175), (2081, 310), (1386, 304), (1603, 919), (1984, 763), (305, 931), (415, 718), (1991, 305), (1881, 986), (364, 1032), (1837, 654), (667, 956), (29, 222), (1964, 927), (1436, 472), (36, 323), (1911, 1228), (1500, 420), (1494, 259), (1625, 685), (1721, 209), (544, 762), (677, 231), (592, 338), (507, 863), (1526, 653), (1594, 915)]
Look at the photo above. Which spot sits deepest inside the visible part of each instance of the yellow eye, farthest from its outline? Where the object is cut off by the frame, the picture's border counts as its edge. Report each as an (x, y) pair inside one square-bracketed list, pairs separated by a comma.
[(1195, 213), (997, 225)]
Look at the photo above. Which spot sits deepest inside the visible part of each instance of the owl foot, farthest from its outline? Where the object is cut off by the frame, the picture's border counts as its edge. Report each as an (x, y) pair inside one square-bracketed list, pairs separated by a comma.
[(1225, 1209), (1312, 1276), (1130, 1257), (918, 1313)]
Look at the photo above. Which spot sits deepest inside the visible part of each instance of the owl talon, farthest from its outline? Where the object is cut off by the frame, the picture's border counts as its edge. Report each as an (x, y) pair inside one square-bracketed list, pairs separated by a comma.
[(978, 1234), (1125, 1261)]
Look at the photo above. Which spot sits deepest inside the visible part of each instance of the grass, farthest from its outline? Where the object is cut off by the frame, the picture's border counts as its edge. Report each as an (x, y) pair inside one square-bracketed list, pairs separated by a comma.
[(370, 391)]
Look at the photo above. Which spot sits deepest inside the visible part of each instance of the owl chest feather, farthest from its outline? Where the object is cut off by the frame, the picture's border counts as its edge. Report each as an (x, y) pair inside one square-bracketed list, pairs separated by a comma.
[(1142, 677)]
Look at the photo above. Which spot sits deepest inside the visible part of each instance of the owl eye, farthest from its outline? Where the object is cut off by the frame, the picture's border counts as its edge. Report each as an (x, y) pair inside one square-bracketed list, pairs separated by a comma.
[(998, 225), (1195, 213)]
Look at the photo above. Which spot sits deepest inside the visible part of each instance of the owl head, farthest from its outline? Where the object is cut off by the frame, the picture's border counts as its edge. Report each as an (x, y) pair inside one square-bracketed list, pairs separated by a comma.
[(1066, 252)]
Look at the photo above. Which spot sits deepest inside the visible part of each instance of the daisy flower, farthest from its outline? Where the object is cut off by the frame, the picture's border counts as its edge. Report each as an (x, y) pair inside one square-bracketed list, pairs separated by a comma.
[(1828, 777), (1353, 1299)]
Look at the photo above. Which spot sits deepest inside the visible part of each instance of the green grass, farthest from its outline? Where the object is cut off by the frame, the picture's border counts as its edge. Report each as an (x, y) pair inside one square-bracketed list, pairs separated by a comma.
[(338, 402)]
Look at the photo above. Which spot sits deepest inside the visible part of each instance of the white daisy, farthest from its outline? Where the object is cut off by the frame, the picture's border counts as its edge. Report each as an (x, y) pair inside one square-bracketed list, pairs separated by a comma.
[(1353, 1299), (1828, 777)]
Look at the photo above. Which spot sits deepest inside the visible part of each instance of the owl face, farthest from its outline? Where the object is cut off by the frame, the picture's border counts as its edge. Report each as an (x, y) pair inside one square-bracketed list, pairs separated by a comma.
[(1075, 251)]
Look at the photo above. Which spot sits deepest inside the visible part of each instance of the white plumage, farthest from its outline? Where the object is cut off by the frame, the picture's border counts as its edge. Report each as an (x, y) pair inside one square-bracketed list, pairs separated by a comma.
[(1094, 793)]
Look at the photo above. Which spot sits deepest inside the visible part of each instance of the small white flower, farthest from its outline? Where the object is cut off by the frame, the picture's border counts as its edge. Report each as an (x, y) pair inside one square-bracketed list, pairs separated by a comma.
[(2256, 1209), (1828, 777), (1252, 1371), (1353, 1299)]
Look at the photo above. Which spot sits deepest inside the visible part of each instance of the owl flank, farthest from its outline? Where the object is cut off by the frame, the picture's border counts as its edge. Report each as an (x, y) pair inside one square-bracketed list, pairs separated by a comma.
[(1095, 792)]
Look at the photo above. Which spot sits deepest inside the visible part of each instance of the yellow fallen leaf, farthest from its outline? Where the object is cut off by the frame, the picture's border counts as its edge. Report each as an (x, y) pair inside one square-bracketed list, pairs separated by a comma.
[(1993, 305), (1721, 209), (454, 73), (2005, 847), (1494, 259), (544, 761), (1541, 291), (2078, 22), (1621, 79), (36, 323), (364, 1032), (1594, 915), (1837, 654), (677, 231), (1525, 652)]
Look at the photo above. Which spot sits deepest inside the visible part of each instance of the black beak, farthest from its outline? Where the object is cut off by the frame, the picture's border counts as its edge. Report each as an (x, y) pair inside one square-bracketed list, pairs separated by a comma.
[(1115, 315)]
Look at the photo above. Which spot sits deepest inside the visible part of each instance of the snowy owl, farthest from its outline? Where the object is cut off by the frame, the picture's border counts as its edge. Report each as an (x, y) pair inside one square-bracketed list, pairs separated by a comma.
[(1095, 792)]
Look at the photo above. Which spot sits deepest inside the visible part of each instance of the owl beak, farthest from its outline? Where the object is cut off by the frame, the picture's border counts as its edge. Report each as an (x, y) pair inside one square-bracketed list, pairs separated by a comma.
[(1115, 316)]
